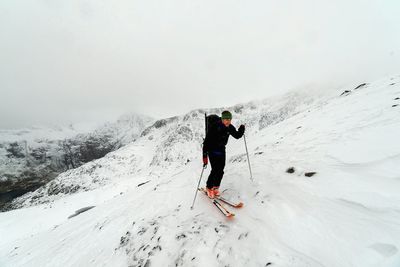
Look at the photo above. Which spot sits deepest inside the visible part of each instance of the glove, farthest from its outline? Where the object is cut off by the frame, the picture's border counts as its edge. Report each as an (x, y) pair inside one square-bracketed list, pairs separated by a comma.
[(205, 161), (241, 129)]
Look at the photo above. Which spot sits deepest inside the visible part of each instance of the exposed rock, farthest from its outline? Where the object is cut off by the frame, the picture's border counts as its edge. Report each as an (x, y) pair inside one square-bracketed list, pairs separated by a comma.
[(238, 108), (77, 212), (346, 92), (361, 85), (290, 170), (309, 174), (143, 183), (15, 150), (28, 165), (159, 124)]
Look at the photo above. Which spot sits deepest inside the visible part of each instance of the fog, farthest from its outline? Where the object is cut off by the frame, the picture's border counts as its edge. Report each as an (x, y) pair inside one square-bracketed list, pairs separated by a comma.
[(70, 61)]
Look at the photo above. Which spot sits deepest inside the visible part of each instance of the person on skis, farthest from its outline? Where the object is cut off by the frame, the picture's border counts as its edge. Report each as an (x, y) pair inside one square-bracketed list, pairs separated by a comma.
[(214, 147)]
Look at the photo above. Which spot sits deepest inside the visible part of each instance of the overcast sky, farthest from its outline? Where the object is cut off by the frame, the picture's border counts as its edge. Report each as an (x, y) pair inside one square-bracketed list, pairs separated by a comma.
[(90, 59)]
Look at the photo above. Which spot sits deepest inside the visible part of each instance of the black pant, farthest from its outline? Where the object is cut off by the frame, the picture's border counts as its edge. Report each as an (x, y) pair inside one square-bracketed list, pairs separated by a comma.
[(217, 162)]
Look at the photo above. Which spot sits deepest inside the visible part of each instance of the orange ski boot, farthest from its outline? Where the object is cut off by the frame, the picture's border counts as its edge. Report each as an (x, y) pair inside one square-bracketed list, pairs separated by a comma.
[(216, 191), (210, 192)]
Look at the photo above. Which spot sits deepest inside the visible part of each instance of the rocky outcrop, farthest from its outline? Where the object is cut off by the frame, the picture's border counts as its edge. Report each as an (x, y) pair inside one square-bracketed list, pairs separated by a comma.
[(27, 165)]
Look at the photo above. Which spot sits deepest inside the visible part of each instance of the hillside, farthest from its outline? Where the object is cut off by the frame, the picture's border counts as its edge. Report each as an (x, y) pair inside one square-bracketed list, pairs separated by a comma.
[(136, 200), (30, 158)]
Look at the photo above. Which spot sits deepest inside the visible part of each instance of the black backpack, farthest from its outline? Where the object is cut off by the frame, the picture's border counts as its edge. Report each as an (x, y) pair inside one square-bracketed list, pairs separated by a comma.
[(211, 121)]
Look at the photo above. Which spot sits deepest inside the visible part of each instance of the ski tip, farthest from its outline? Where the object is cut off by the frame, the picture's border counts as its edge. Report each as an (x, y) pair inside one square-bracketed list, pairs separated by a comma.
[(230, 216), (239, 205)]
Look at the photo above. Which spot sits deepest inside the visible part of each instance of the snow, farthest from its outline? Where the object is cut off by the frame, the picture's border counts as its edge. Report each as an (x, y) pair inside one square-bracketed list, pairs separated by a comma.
[(43, 149), (348, 214)]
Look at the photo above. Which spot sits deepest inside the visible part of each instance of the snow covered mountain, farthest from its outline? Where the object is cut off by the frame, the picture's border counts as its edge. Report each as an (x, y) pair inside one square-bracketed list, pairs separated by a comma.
[(30, 158), (132, 207)]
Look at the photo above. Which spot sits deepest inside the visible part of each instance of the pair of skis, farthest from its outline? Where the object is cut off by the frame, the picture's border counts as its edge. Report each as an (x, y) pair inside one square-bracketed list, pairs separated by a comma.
[(218, 200)]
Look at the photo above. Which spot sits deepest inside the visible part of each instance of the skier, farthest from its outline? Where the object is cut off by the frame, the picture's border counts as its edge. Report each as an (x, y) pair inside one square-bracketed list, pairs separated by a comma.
[(214, 147)]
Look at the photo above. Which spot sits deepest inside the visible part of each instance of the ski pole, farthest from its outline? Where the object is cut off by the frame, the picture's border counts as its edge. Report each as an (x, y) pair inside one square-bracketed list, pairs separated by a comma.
[(248, 159), (197, 188)]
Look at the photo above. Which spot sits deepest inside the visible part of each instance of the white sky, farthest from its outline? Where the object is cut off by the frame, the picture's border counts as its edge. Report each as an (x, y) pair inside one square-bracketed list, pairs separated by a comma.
[(89, 59)]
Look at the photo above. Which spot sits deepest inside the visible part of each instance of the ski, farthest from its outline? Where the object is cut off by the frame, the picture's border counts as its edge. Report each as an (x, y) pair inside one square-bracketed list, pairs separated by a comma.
[(219, 205), (226, 201), (230, 203)]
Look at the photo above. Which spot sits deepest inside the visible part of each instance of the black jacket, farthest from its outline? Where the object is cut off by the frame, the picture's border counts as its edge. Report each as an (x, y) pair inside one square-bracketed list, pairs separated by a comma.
[(217, 138)]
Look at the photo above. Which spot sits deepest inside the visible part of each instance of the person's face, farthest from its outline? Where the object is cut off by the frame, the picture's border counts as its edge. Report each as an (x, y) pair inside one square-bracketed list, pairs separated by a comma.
[(226, 122)]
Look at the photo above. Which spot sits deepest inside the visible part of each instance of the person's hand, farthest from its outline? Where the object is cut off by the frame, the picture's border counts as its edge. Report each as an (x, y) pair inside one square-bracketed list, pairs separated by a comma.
[(205, 158), (205, 161), (241, 129)]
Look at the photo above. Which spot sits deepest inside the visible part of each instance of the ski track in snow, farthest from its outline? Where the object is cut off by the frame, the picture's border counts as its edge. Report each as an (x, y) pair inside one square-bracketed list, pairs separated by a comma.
[(348, 214)]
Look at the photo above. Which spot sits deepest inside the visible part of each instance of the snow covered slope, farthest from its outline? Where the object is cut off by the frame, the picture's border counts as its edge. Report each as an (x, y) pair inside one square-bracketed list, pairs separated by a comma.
[(32, 157), (347, 214)]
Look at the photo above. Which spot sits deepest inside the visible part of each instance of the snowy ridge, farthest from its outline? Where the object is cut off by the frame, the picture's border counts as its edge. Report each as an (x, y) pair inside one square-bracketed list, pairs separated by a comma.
[(347, 214), (172, 143), (32, 157)]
